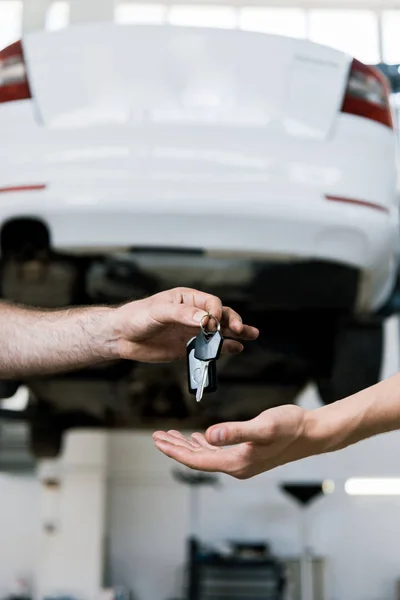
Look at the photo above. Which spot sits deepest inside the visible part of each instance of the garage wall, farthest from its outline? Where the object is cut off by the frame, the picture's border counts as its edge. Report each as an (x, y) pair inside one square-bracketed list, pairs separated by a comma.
[(149, 521), (19, 512), (149, 515)]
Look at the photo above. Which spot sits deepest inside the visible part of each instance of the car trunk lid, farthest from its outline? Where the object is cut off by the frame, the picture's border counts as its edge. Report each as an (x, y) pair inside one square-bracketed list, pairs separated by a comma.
[(108, 74)]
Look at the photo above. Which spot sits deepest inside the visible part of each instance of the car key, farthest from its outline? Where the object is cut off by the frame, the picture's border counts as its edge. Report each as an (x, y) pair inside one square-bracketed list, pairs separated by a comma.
[(195, 370), (207, 350)]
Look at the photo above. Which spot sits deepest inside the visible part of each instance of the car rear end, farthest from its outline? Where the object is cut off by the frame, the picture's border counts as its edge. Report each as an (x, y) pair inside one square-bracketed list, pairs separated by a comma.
[(228, 142), (258, 167)]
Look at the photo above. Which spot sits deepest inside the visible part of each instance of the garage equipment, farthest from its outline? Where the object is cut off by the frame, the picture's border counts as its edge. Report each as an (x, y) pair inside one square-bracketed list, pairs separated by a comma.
[(248, 572), (305, 494), (194, 480), (245, 571)]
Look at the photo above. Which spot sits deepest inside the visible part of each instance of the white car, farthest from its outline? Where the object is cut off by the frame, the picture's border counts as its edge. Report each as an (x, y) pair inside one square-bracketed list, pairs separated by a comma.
[(257, 167)]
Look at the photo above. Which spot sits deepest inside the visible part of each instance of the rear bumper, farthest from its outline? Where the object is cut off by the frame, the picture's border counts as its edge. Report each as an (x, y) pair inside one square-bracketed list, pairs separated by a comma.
[(223, 190), (359, 238), (285, 227)]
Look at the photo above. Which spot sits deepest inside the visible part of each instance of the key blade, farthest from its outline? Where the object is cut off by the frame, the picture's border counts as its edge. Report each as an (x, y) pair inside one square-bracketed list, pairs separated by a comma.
[(200, 389)]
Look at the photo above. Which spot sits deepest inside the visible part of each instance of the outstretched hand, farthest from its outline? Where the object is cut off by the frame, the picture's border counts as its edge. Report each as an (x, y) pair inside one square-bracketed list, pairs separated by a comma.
[(158, 328), (274, 438)]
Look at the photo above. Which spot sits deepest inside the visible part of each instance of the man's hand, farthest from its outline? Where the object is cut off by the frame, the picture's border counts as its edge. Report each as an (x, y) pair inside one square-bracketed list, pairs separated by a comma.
[(42, 342), (158, 328), (276, 437)]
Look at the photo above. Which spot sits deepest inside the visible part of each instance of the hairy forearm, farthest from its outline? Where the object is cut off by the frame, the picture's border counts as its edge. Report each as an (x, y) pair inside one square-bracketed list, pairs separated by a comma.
[(369, 413), (37, 342)]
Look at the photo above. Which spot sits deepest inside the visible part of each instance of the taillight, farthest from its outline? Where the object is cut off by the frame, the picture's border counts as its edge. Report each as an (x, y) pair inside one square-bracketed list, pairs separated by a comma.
[(367, 94), (13, 78)]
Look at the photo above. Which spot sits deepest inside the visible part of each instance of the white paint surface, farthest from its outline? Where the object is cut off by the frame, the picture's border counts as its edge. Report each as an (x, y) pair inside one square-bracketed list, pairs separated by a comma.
[(70, 558), (19, 532)]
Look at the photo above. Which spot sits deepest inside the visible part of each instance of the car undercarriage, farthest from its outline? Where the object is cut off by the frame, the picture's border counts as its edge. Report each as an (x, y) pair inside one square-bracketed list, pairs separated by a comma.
[(298, 306)]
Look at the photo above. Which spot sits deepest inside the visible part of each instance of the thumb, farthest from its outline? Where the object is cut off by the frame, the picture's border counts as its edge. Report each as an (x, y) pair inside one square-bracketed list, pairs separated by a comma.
[(226, 434)]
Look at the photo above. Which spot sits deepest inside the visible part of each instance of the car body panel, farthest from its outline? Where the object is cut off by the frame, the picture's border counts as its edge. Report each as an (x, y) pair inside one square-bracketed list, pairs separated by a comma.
[(182, 75)]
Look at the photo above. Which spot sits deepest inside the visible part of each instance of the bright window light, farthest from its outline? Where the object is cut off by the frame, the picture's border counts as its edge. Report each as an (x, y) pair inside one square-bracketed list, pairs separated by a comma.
[(223, 17), (128, 14), (355, 32), (279, 21), (57, 16), (10, 21), (372, 487), (391, 37)]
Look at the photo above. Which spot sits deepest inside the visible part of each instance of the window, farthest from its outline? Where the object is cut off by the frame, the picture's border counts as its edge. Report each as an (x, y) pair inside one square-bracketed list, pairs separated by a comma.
[(353, 31), (126, 14), (10, 21), (280, 21), (373, 487), (57, 16), (224, 17), (391, 37)]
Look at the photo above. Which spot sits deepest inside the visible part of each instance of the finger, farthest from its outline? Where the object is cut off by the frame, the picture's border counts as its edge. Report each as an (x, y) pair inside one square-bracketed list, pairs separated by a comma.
[(232, 347), (180, 437), (232, 321), (196, 444), (226, 434), (191, 308), (247, 332), (177, 434), (207, 303), (190, 316), (232, 325), (199, 439), (205, 460), (174, 437), (170, 439), (171, 314)]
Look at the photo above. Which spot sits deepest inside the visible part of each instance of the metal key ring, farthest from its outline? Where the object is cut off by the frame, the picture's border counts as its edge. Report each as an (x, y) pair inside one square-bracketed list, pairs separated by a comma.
[(209, 316)]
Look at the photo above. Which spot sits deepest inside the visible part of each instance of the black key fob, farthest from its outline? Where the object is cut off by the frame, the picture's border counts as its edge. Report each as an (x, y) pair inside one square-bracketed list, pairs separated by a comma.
[(194, 371), (208, 346)]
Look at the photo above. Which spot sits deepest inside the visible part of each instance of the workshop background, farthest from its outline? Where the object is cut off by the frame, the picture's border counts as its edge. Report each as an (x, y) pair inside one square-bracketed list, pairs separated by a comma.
[(110, 518)]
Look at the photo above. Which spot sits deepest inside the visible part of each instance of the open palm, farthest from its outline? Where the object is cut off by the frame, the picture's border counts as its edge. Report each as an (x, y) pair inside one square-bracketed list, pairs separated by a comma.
[(242, 450)]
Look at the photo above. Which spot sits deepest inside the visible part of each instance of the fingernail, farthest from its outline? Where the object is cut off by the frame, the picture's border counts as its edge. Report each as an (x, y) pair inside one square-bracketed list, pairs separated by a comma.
[(217, 436)]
